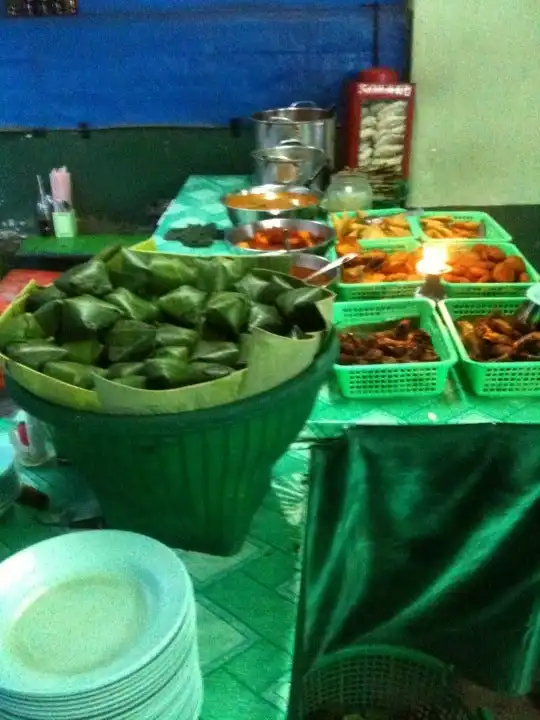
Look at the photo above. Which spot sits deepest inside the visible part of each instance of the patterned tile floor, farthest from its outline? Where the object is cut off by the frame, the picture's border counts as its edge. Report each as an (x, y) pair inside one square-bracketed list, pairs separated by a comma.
[(246, 604)]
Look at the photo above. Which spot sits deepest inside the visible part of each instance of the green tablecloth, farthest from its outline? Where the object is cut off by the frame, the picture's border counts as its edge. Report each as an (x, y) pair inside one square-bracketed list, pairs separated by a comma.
[(425, 538), (80, 245), (199, 202)]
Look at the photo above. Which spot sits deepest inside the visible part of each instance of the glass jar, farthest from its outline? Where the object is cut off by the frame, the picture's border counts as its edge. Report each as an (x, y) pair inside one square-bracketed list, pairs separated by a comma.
[(348, 190)]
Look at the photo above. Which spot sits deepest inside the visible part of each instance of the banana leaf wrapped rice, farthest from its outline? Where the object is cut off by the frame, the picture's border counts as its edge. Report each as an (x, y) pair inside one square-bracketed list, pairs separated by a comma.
[(90, 278), (169, 273), (84, 316), (130, 340), (159, 323), (171, 335), (20, 328), (86, 352), (44, 295), (73, 373), (186, 305), (133, 307), (49, 316), (228, 312), (36, 353)]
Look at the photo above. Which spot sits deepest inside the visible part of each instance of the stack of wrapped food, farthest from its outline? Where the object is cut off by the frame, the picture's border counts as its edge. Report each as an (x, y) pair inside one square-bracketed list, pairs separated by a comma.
[(151, 322)]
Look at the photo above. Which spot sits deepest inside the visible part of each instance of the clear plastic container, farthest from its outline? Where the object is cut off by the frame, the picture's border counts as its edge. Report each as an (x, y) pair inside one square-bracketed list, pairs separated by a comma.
[(348, 190)]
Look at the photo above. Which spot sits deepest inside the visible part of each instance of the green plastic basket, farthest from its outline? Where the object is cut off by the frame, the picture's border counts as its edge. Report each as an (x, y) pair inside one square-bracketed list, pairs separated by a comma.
[(381, 213), (493, 289), (367, 679), (490, 379), (375, 291), (493, 232), (407, 380)]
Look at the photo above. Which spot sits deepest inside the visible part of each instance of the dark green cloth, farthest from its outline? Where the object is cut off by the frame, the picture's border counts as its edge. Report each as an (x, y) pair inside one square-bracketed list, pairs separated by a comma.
[(429, 538)]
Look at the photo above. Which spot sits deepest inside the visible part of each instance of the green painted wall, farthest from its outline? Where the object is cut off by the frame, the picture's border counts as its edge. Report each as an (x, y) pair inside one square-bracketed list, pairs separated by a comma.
[(116, 173), (119, 173)]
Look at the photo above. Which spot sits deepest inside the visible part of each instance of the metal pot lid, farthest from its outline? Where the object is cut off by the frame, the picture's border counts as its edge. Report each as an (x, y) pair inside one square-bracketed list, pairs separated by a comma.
[(295, 114), (289, 154)]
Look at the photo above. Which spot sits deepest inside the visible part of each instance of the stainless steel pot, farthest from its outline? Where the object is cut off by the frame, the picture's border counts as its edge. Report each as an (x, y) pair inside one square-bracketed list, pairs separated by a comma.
[(241, 216), (289, 163), (303, 121)]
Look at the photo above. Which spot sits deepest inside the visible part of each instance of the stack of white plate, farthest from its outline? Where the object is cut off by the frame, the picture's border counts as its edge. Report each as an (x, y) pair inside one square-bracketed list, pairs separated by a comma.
[(98, 624), (10, 486)]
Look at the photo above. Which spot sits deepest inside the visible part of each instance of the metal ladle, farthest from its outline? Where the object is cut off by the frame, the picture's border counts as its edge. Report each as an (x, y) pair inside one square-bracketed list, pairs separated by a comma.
[(331, 266)]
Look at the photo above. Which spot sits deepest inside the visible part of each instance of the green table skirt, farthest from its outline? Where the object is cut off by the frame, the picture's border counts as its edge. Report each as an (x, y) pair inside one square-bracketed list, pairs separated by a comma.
[(427, 538)]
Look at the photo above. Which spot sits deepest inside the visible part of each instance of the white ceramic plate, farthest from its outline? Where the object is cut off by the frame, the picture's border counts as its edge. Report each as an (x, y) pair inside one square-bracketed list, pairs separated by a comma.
[(180, 660), (178, 699), (84, 610)]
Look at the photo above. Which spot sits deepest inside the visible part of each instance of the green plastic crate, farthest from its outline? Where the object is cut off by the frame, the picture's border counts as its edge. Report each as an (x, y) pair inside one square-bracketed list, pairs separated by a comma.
[(375, 291), (490, 379), (493, 289), (385, 680), (493, 232), (407, 380), (381, 213)]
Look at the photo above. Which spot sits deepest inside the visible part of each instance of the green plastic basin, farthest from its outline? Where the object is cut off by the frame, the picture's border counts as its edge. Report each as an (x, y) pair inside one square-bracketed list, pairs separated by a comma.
[(193, 480)]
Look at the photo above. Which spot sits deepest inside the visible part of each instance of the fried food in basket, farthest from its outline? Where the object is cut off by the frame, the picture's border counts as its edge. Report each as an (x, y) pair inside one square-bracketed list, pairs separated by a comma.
[(402, 343), (499, 338), (360, 226), (372, 266), (485, 264), (440, 227)]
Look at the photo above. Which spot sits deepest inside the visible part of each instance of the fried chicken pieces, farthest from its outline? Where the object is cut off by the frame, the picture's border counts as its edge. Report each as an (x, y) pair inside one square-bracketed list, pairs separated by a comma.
[(499, 338), (485, 264), (401, 344)]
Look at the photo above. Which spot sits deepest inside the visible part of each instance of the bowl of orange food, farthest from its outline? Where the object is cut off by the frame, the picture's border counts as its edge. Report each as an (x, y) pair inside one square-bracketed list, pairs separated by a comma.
[(283, 236), (264, 202)]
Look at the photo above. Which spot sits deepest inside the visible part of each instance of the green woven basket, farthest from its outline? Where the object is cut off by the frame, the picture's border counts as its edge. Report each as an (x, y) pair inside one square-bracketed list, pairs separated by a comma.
[(193, 480), (384, 679), (493, 289), (490, 379), (407, 380), (492, 231), (375, 291)]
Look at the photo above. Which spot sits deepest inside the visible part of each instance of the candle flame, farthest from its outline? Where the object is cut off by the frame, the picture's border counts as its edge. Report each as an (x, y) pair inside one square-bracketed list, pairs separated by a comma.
[(434, 260)]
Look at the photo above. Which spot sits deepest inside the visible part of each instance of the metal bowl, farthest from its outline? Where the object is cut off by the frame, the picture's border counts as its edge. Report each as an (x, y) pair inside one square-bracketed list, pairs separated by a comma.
[(240, 216), (246, 232), (314, 263)]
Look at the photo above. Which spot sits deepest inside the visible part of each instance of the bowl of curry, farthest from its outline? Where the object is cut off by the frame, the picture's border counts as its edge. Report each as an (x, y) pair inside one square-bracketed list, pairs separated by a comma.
[(264, 202), (283, 235)]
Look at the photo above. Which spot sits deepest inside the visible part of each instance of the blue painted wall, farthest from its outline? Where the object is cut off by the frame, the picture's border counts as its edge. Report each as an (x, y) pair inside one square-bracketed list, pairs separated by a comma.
[(186, 62)]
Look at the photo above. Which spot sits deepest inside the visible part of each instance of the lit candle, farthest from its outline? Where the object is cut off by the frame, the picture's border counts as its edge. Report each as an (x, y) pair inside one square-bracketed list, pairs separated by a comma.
[(434, 260), (432, 265)]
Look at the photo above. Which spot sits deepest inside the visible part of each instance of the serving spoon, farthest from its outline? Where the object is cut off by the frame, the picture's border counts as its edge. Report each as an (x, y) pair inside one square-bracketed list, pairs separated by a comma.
[(331, 266)]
